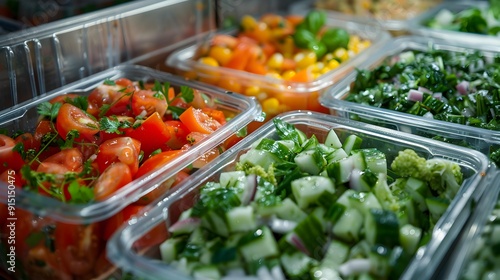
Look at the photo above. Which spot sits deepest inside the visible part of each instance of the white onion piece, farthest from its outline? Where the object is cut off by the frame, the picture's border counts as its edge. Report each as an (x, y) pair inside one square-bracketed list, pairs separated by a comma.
[(293, 239), (428, 115), (355, 267), (424, 90), (277, 273), (463, 87), (415, 95), (438, 95), (281, 226), (188, 225), (250, 189)]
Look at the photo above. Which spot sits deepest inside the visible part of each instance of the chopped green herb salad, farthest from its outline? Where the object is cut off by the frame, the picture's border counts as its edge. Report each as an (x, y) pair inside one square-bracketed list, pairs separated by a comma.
[(301, 208)]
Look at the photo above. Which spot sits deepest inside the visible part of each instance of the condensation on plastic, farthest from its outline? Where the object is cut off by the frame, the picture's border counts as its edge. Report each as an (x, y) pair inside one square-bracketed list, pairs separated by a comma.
[(36, 60), (144, 262), (417, 25), (478, 138), (24, 117)]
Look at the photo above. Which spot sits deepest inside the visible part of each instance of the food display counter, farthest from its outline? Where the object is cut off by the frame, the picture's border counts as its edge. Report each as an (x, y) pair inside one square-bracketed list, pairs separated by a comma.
[(213, 139)]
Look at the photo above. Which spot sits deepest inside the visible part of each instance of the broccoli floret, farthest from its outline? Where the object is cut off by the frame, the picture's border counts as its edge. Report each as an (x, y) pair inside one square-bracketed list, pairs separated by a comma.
[(443, 176)]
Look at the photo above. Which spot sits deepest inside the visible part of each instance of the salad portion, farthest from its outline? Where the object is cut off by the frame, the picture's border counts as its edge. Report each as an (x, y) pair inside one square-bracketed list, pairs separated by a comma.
[(84, 149), (312, 207)]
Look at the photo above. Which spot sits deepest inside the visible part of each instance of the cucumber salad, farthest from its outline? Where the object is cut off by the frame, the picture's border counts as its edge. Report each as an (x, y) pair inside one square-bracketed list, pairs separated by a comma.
[(301, 208)]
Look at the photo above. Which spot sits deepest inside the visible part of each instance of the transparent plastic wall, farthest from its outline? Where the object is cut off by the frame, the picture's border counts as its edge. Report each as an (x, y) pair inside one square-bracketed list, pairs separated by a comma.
[(40, 59)]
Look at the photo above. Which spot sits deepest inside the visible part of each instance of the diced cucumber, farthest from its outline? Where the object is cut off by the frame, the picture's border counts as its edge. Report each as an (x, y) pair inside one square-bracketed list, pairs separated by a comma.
[(287, 143), (296, 264), (310, 161), (335, 255), (241, 219), (364, 201), (352, 142), (344, 198), (382, 227), (311, 232), (398, 262), (384, 194), (233, 179), (418, 190), (337, 155), (263, 245), (324, 273), (375, 160), (349, 225), (206, 272), (310, 144), (215, 223), (332, 140), (259, 158), (334, 212), (358, 159), (197, 236), (288, 210), (331, 154), (409, 237), (379, 258), (306, 190), (340, 170), (437, 206), (407, 57), (171, 248)]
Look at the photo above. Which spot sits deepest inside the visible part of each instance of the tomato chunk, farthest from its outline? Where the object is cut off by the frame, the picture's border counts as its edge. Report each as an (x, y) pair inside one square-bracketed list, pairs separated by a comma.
[(197, 120), (73, 118), (152, 133), (119, 149), (9, 159), (112, 179)]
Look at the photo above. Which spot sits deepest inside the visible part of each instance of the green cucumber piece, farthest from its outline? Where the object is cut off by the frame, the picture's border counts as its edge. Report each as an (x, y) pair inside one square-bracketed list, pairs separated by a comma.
[(206, 272), (288, 210), (171, 248), (382, 228), (437, 206), (418, 190), (340, 170), (332, 140), (297, 264), (352, 142), (336, 254), (311, 232), (241, 219), (334, 212), (310, 161), (258, 244), (348, 227), (364, 201), (358, 159), (375, 160), (410, 236), (259, 158), (306, 190)]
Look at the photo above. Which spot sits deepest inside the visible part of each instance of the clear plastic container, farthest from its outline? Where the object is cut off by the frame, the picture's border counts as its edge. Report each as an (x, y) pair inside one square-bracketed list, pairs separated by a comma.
[(480, 139), (418, 25), (289, 95), (142, 261), (474, 239), (49, 211)]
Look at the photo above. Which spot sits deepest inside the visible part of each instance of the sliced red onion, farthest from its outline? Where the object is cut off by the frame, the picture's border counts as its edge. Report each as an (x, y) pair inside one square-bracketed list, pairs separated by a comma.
[(293, 239), (355, 267), (250, 189), (278, 273), (186, 225), (463, 87), (415, 95), (438, 95), (281, 226), (424, 90)]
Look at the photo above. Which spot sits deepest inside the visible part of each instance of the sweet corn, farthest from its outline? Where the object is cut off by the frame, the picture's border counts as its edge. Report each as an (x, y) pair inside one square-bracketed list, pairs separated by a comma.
[(221, 54), (275, 61), (332, 64), (341, 54), (209, 61), (248, 22), (274, 74), (287, 75), (271, 106), (304, 59), (252, 91)]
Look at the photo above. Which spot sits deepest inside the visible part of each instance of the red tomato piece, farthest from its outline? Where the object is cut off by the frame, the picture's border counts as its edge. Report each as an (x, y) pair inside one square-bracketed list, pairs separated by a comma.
[(112, 179), (29, 141), (156, 161), (64, 98), (178, 132), (9, 159), (217, 115), (119, 149), (117, 220), (197, 120), (146, 102), (152, 133), (71, 159), (116, 95), (206, 158), (78, 246), (73, 118)]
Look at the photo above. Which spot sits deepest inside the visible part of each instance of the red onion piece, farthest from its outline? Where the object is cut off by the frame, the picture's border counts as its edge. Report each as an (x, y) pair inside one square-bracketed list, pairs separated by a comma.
[(463, 87), (424, 90), (293, 239), (415, 95), (438, 95), (250, 189)]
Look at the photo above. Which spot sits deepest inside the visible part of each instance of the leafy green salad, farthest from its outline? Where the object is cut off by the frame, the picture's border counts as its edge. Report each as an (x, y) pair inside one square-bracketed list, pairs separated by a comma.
[(301, 208)]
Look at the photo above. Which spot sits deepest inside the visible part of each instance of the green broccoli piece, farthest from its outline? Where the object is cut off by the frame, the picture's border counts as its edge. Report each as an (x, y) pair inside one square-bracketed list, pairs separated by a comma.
[(443, 176)]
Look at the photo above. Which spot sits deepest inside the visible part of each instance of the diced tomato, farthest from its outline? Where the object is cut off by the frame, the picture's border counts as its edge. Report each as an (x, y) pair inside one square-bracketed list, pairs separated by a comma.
[(217, 115), (225, 40), (29, 141), (156, 161), (73, 118), (206, 158), (178, 132), (146, 102), (112, 179), (116, 96), (71, 159), (232, 140), (119, 149), (64, 98), (78, 246), (9, 159), (56, 169), (117, 220), (152, 133), (197, 120), (194, 137)]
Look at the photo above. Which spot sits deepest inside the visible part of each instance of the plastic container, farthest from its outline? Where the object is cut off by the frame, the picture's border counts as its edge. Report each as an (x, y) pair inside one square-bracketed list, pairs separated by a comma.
[(480, 139), (473, 239), (145, 261), (289, 95), (418, 25), (49, 211), (392, 15)]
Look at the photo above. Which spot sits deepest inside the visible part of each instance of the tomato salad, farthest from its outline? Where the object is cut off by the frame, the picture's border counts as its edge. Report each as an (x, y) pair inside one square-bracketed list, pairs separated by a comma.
[(84, 149)]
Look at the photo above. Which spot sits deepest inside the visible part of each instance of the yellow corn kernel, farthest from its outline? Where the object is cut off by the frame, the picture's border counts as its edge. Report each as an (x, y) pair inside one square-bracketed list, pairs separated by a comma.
[(325, 70), (363, 45), (221, 54), (271, 106), (248, 22), (305, 59), (332, 64), (341, 54), (327, 57), (275, 61), (210, 61), (287, 75), (274, 74), (252, 91)]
